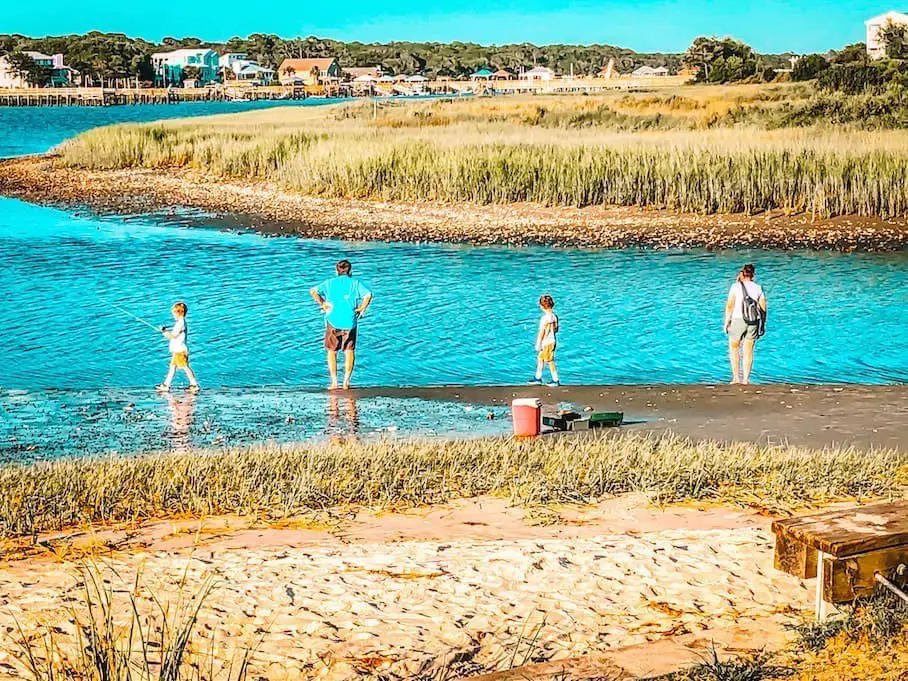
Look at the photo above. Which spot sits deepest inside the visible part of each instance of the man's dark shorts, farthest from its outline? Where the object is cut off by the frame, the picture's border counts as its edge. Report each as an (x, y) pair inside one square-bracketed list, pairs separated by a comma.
[(337, 340)]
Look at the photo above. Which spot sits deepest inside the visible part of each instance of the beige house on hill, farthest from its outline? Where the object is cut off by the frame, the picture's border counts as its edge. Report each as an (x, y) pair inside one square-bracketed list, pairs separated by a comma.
[(875, 47), (309, 71)]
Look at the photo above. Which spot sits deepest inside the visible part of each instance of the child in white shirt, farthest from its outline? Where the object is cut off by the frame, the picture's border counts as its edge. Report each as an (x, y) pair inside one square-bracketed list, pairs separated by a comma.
[(546, 341), (179, 350)]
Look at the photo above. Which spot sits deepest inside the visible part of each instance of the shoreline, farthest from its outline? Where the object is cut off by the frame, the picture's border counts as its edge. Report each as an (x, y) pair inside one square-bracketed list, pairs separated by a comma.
[(268, 209), (821, 415)]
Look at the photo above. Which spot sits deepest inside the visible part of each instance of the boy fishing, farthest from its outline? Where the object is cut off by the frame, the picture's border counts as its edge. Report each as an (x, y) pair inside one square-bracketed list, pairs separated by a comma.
[(179, 350), (546, 341)]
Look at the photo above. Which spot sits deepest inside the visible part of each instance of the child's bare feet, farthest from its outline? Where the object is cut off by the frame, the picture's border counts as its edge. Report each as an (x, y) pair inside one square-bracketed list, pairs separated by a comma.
[(194, 389), (162, 388)]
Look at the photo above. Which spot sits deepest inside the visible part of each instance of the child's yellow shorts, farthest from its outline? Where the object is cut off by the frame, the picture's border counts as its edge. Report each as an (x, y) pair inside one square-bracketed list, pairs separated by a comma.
[(547, 354), (180, 360)]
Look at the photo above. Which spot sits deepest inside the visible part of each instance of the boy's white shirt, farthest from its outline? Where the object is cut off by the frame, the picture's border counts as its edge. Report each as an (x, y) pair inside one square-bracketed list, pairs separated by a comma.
[(547, 336), (177, 336)]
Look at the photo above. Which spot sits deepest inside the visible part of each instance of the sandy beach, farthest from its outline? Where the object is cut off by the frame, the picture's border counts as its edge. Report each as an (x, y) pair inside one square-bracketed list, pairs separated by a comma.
[(472, 586), (270, 209), (819, 416)]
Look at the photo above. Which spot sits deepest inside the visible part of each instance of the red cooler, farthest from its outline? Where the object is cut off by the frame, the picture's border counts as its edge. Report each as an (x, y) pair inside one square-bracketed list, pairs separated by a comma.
[(526, 413)]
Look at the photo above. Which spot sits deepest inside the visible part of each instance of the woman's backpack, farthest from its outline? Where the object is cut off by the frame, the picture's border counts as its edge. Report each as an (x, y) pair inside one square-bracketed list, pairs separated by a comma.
[(752, 313)]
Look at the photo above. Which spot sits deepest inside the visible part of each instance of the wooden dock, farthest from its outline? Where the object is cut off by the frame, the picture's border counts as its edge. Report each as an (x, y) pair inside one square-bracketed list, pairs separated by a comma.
[(87, 96)]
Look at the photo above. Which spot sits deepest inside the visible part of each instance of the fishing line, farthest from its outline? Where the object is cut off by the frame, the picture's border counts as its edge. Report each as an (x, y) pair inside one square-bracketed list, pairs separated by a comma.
[(130, 314)]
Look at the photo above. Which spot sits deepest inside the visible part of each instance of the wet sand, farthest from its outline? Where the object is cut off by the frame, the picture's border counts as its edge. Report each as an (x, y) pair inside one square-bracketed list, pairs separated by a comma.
[(270, 209), (863, 416)]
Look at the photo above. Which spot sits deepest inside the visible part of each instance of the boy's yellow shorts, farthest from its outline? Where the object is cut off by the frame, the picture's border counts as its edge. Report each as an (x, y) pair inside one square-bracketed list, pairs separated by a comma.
[(547, 354), (180, 360)]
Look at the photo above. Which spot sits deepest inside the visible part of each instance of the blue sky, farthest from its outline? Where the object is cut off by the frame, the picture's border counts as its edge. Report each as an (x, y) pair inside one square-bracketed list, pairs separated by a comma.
[(644, 25)]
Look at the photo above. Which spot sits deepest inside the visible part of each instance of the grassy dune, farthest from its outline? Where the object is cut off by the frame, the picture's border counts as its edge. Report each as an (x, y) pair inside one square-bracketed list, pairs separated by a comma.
[(702, 150), (278, 482)]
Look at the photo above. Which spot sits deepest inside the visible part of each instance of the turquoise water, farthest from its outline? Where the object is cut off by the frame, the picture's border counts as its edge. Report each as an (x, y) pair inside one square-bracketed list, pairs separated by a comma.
[(31, 130), (442, 314)]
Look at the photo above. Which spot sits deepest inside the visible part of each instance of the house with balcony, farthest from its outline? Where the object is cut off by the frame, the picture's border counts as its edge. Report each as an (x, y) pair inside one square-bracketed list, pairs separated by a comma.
[(322, 71), (237, 66), (58, 73), (169, 67)]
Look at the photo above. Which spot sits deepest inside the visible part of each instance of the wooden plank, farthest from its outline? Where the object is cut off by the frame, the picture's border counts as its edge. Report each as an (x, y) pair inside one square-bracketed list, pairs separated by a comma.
[(850, 531), (820, 602), (845, 579), (795, 557)]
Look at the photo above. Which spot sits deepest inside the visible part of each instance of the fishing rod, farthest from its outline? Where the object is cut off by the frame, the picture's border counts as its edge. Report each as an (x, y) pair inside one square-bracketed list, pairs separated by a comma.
[(130, 314)]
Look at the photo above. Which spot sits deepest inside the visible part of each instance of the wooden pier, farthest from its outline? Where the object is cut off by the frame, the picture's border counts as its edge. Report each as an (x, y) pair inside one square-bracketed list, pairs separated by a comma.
[(87, 96)]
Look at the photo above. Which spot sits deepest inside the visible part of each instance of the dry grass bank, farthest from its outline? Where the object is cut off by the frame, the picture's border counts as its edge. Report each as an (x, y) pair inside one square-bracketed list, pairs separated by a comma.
[(278, 482), (698, 150)]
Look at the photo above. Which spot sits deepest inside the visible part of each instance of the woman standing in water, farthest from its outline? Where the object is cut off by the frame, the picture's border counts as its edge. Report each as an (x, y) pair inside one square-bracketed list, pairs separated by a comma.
[(745, 322)]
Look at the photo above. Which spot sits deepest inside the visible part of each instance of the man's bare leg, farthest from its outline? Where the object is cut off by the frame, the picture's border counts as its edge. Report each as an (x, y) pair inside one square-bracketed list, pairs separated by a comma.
[(332, 369), (748, 360), (735, 358), (349, 361)]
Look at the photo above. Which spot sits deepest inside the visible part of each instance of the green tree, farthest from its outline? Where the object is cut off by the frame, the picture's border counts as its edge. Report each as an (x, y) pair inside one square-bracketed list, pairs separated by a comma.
[(893, 36), (720, 60), (856, 53), (809, 67), (191, 73), (28, 69)]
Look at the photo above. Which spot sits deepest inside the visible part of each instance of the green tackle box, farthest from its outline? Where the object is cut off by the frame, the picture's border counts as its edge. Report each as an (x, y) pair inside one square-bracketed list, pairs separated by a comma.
[(606, 419)]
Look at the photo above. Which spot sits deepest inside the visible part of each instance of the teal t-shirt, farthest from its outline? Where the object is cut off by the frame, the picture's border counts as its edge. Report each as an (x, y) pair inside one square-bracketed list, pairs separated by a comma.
[(344, 294)]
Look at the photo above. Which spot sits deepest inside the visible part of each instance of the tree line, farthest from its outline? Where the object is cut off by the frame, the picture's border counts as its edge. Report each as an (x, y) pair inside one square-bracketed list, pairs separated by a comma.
[(111, 56)]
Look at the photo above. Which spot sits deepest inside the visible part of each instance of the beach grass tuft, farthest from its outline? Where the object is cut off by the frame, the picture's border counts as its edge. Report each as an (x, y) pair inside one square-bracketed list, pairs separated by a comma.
[(282, 481), (124, 632)]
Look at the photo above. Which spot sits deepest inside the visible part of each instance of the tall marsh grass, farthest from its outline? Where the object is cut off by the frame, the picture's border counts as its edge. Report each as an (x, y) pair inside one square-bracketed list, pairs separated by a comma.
[(557, 151), (282, 481)]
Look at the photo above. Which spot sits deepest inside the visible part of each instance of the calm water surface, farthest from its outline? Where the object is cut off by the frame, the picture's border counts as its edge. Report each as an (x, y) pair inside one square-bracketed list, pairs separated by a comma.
[(77, 370)]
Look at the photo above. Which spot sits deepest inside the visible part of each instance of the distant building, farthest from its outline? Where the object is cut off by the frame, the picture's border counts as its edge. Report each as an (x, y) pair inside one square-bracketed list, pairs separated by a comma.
[(309, 71), (650, 72), (356, 72), (238, 66), (875, 47), (59, 75), (169, 66), (226, 61), (481, 74), (538, 73), (502, 74)]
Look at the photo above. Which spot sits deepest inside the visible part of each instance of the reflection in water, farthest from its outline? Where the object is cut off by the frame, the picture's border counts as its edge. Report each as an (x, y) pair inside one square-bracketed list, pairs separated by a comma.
[(182, 414), (342, 424), (48, 424)]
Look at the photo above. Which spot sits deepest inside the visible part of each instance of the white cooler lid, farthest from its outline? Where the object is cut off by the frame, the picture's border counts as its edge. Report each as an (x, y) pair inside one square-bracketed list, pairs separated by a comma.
[(527, 402)]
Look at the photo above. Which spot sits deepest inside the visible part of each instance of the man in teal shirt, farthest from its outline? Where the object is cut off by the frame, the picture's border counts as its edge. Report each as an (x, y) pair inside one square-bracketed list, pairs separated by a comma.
[(343, 299)]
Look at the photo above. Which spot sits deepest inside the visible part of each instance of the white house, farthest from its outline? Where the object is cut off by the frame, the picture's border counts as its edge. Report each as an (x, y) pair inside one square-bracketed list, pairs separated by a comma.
[(245, 69), (650, 72), (59, 74), (875, 47), (538, 73), (226, 61), (253, 73), (169, 66)]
